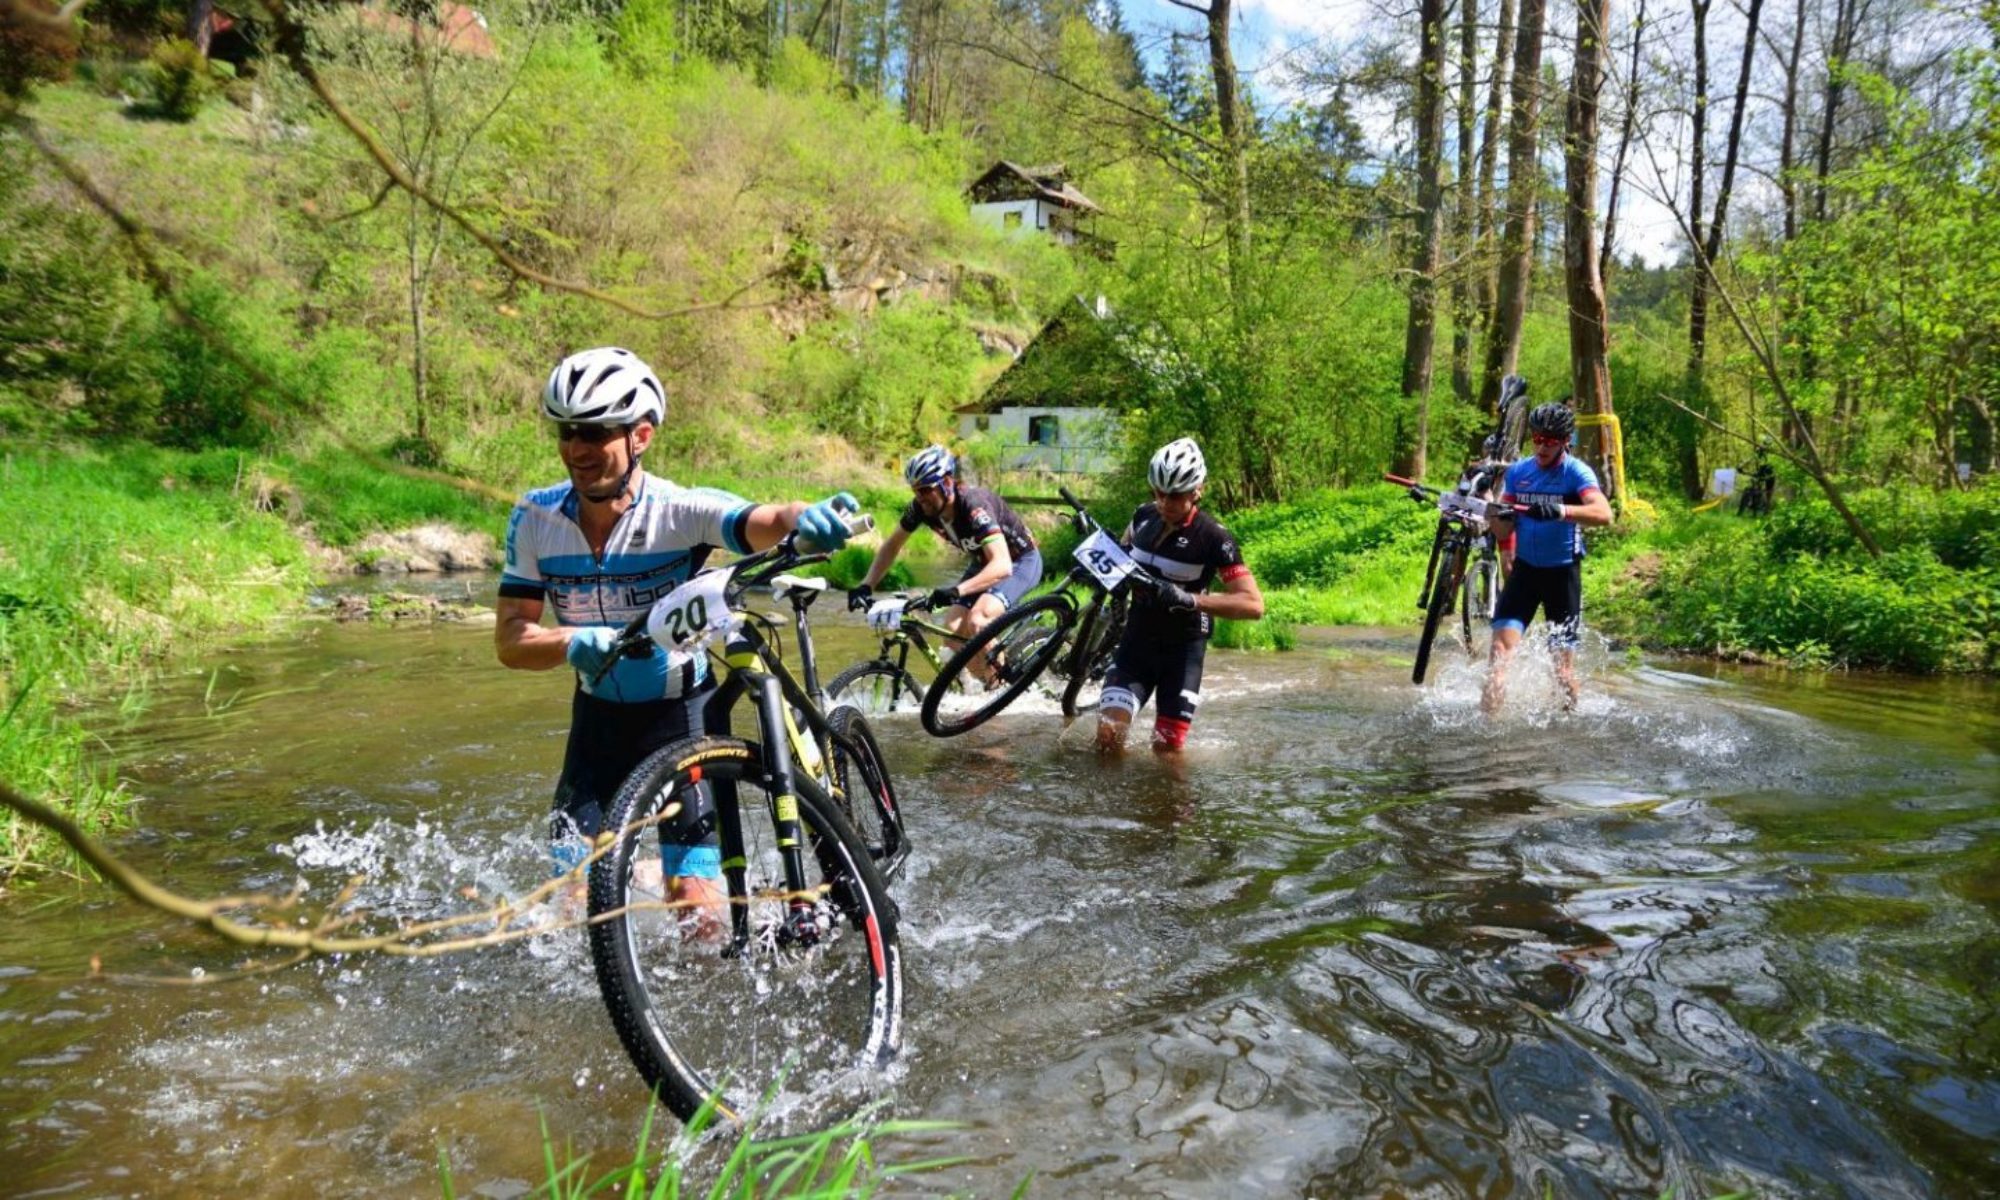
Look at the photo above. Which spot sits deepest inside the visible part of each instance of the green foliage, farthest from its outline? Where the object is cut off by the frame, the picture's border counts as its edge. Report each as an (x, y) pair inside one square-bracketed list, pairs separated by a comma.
[(886, 381), (110, 560), (178, 80), (1796, 592)]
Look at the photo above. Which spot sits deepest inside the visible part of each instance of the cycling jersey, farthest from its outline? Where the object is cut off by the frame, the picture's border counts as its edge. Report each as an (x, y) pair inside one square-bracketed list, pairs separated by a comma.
[(1192, 555), (973, 518), (657, 544), (1548, 543)]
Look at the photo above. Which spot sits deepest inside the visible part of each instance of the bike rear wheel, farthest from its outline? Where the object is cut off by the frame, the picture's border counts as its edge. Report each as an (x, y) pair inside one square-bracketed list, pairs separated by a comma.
[(1023, 642), (1444, 589), (877, 688), (804, 988), (864, 793), (1096, 641)]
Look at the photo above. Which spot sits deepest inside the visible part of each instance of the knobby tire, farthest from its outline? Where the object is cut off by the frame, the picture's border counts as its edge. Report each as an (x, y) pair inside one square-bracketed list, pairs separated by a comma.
[(733, 1019), (1451, 565), (1016, 624), (877, 688), (864, 792)]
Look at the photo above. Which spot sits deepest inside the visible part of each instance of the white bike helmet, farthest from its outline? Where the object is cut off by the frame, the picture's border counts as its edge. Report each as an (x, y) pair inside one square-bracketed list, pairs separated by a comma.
[(929, 467), (605, 386), (1177, 468)]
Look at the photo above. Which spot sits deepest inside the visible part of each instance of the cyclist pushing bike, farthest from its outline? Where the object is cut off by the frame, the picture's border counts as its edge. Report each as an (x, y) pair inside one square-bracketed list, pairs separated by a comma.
[(1166, 636), (600, 548), (1004, 565), (1552, 492)]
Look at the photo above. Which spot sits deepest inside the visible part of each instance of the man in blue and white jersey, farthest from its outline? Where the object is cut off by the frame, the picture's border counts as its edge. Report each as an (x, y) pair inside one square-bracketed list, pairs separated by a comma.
[(601, 548), (1554, 493)]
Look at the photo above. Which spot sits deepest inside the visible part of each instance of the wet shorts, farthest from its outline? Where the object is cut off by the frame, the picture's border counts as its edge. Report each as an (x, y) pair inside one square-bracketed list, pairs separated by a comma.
[(1557, 591), (607, 742), (1167, 672), (1027, 573)]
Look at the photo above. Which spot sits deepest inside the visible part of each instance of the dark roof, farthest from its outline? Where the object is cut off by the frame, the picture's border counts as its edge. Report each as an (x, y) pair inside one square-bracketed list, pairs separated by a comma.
[(1049, 182)]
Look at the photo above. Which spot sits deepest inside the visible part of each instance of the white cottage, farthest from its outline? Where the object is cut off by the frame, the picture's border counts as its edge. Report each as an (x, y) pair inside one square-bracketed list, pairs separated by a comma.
[(1055, 408), (1012, 197)]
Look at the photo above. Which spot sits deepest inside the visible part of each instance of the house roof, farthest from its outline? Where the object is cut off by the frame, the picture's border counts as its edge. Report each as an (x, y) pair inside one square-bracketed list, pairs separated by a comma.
[(460, 29), (1049, 182)]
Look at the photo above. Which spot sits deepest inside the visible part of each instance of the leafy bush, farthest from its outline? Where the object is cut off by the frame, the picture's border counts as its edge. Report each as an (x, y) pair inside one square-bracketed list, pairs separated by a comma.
[(178, 80)]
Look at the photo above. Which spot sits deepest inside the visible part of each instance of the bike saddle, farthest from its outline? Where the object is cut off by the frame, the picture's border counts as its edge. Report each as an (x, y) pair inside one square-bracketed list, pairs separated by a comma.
[(784, 587)]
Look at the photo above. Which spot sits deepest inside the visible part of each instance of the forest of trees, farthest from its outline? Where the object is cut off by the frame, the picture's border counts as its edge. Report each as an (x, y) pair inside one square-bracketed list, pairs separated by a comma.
[(1331, 257)]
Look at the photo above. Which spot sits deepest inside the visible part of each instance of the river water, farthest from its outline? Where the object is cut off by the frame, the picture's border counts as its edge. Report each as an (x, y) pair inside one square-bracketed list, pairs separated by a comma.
[(1720, 929)]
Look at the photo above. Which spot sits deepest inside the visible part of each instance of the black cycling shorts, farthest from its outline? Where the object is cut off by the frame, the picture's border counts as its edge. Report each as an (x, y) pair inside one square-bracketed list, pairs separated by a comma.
[(1167, 671), (1557, 591), (607, 742)]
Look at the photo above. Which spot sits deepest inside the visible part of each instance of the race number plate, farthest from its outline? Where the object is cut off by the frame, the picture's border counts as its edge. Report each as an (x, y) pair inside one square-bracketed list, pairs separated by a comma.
[(687, 617), (1105, 559), (1463, 506), (885, 615)]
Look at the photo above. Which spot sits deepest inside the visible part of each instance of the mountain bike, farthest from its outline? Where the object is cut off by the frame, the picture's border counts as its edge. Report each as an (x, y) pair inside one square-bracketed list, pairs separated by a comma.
[(1482, 479), (807, 978), (1074, 629), (1462, 520), (884, 685)]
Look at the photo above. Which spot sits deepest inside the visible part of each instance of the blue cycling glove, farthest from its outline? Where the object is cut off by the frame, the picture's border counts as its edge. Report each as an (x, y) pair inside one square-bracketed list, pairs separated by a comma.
[(824, 525), (590, 648)]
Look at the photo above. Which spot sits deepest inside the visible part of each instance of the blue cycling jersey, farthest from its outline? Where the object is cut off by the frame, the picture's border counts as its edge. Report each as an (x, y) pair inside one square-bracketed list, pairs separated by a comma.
[(657, 544), (1548, 543)]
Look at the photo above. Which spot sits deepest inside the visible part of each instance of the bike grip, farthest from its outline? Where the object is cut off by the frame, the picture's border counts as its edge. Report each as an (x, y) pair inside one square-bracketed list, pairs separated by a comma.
[(1069, 497), (859, 523), (1398, 479)]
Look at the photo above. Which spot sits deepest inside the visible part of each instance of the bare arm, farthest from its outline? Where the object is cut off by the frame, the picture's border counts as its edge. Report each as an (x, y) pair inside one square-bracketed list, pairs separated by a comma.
[(1595, 509), (999, 565), (520, 639), (1239, 600), (769, 523), (885, 556)]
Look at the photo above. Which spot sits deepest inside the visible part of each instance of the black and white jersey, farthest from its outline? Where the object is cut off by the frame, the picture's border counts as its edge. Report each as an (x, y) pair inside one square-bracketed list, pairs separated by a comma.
[(974, 518), (1193, 555)]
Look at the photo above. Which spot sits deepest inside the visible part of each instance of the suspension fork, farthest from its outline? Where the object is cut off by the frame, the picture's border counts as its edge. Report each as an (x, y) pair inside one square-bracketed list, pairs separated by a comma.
[(1430, 568), (775, 722)]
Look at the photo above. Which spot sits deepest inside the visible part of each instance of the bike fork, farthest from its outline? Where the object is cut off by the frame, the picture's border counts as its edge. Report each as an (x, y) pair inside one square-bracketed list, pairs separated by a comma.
[(801, 922)]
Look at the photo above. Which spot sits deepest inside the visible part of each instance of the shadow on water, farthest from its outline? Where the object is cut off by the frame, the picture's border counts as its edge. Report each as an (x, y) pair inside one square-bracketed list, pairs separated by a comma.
[(1720, 929)]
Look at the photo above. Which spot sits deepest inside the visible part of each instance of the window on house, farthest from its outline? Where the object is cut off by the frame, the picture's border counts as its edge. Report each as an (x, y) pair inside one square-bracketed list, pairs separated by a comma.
[(1011, 220), (1043, 431), (982, 424)]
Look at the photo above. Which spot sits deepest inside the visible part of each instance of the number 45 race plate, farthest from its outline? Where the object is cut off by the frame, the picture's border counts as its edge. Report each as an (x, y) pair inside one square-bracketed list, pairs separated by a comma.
[(1105, 559)]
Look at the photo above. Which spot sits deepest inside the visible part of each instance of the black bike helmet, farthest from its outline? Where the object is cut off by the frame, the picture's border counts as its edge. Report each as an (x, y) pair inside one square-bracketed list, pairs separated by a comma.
[(1555, 420)]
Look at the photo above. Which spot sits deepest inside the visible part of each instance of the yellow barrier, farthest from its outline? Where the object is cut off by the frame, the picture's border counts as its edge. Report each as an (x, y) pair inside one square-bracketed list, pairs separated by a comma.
[(1609, 460)]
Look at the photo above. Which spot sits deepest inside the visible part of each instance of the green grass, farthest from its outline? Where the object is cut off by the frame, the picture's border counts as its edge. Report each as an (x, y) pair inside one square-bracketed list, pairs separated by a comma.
[(840, 1161)]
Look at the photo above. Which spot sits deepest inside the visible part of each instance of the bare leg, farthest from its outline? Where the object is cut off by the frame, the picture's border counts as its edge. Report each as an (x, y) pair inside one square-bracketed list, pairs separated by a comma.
[(705, 917), (1566, 674), (1112, 726), (1505, 641)]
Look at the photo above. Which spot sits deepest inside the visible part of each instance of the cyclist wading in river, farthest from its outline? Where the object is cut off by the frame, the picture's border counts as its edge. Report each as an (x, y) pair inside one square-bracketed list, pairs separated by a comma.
[(1560, 493), (601, 548), (1004, 564), (1166, 638)]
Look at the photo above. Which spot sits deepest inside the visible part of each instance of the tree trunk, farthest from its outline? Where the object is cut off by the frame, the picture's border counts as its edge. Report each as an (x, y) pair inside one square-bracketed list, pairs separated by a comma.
[(1631, 121), (1788, 140), (1463, 226), (1517, 248), (1420, 331), (201, 24), (1484, 265), (1846, 24), (1589, 349), (1222, 67), (1687, 433)]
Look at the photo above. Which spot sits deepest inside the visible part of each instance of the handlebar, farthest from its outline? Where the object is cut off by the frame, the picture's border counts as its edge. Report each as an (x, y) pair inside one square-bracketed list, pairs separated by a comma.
[(748, 572)]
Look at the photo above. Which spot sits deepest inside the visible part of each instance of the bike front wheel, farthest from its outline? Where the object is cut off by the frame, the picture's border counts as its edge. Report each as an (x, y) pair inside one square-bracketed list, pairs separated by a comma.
[(1016, 648), (800, 987), (877, 688), (1444, 589)]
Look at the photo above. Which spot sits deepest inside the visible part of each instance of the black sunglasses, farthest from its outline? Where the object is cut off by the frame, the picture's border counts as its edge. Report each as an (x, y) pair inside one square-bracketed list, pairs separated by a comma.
[(595, 435)]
